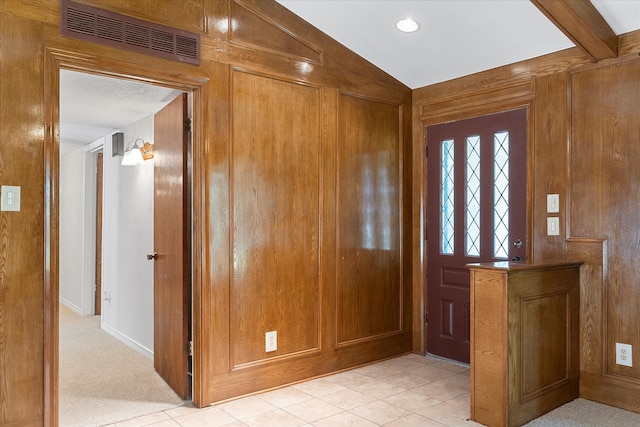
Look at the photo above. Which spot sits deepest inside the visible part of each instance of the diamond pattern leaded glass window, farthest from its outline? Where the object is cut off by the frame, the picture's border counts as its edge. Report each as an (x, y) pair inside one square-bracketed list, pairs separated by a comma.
[(501, 195), (472, 197), (447, 202)]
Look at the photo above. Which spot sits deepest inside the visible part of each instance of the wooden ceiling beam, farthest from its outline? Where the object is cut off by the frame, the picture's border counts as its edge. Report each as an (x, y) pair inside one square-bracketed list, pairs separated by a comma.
[(582, 23)]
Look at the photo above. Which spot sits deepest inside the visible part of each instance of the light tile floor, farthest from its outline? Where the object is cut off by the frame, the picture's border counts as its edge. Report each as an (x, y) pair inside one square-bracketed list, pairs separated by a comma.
[(406, 391)]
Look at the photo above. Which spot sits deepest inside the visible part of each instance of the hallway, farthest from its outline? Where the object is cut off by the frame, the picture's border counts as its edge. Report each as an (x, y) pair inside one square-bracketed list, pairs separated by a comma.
[(102, 379)]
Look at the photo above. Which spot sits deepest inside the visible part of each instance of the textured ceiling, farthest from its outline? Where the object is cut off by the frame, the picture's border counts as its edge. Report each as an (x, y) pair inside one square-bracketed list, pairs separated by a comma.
[(92, 106)]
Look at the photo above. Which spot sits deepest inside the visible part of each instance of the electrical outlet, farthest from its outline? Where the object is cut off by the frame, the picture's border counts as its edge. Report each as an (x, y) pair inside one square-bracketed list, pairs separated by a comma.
[(624, 355), (271, 341)]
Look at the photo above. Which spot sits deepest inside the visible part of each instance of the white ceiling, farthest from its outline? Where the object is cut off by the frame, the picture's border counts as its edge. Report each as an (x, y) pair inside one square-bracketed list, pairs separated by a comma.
[(93, 106), (456, 38)]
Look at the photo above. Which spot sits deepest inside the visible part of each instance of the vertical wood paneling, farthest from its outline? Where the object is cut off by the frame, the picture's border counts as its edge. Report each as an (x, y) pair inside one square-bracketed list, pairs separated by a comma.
[(275, 184), (283, 131), (22, 259), (214, 299), (489, 377), (592, 252), (548, 157), (604, 177), (603, 200), (369, 288), (585, 124)]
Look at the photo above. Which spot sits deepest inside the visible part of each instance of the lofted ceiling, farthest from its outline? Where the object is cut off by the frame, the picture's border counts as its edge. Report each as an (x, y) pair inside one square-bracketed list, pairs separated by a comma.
[(456, 38)]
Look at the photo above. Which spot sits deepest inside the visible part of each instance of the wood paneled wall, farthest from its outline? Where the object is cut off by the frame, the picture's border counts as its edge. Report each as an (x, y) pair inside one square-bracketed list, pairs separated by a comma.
[(275, 223), (605, 137), (302, 196), (369, 237), (584, 130)]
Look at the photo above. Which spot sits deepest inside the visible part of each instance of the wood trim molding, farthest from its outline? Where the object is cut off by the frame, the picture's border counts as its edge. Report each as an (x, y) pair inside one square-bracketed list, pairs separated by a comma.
[(484, 100), (253, 18), (454, 107), (596, 383), (402, 294), (51, 237), (583, 24), (54, 61)]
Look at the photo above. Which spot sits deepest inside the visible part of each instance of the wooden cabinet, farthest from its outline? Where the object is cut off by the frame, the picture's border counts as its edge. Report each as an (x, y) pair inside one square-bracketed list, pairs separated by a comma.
[(524, 340)]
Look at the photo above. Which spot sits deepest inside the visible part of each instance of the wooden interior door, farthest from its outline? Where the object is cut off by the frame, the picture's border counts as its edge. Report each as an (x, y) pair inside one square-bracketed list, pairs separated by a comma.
[(476, 212), (172, 287)]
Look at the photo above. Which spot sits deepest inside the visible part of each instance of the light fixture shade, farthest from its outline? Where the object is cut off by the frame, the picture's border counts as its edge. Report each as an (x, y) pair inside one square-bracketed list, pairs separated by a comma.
[(136, 155), (127, 160)]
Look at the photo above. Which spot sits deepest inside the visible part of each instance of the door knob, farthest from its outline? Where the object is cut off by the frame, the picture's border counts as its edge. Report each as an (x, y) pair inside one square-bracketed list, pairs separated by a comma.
[(153, 256), (518, 243)]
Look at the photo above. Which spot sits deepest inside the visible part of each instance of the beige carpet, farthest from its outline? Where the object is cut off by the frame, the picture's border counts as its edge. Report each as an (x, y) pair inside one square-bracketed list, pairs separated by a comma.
[(102, 380), (585, 413)]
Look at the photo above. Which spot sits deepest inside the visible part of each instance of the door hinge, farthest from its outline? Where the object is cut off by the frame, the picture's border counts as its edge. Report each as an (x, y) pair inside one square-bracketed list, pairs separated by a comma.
[(188, 348), (426, 317), (187, 125)]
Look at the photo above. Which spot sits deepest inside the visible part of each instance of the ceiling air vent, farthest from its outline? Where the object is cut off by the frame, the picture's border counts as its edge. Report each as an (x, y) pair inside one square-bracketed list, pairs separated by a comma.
[(121, 31)]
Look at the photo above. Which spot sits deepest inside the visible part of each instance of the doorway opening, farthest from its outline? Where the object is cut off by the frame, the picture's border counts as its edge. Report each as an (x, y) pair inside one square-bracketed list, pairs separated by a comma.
[(92, 109)]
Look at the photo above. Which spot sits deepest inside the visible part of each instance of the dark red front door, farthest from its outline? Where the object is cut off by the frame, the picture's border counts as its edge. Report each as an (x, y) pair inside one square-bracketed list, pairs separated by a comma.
[(476, 212)]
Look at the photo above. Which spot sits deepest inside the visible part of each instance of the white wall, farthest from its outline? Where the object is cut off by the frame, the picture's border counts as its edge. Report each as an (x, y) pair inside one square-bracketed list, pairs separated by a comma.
[(72, 221), (127, 236)]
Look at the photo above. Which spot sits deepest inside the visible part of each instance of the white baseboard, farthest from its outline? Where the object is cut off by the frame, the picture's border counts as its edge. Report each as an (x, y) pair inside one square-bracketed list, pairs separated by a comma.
[(128, 341), (71, 306)]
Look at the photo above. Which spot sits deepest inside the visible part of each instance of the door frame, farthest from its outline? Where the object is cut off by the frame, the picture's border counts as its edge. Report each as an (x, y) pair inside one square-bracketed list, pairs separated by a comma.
[(458, 107), (54, 61), (97, 293)]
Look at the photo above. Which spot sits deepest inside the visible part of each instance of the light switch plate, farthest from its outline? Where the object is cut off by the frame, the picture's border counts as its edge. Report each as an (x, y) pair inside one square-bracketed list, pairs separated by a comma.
[(10, 198), (553, 203), (553, 226)]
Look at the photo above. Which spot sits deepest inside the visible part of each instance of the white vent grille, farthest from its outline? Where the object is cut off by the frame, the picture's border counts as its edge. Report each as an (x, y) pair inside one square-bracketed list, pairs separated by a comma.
[(112, 29)]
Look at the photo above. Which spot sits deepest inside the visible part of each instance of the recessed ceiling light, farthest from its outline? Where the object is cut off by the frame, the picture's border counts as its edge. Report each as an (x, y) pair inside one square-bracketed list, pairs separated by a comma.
[(407, 25)]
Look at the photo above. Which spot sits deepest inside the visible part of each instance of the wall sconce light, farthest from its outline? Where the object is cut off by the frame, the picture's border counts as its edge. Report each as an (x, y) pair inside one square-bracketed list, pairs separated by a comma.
[(147, 151), (137, 153)]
